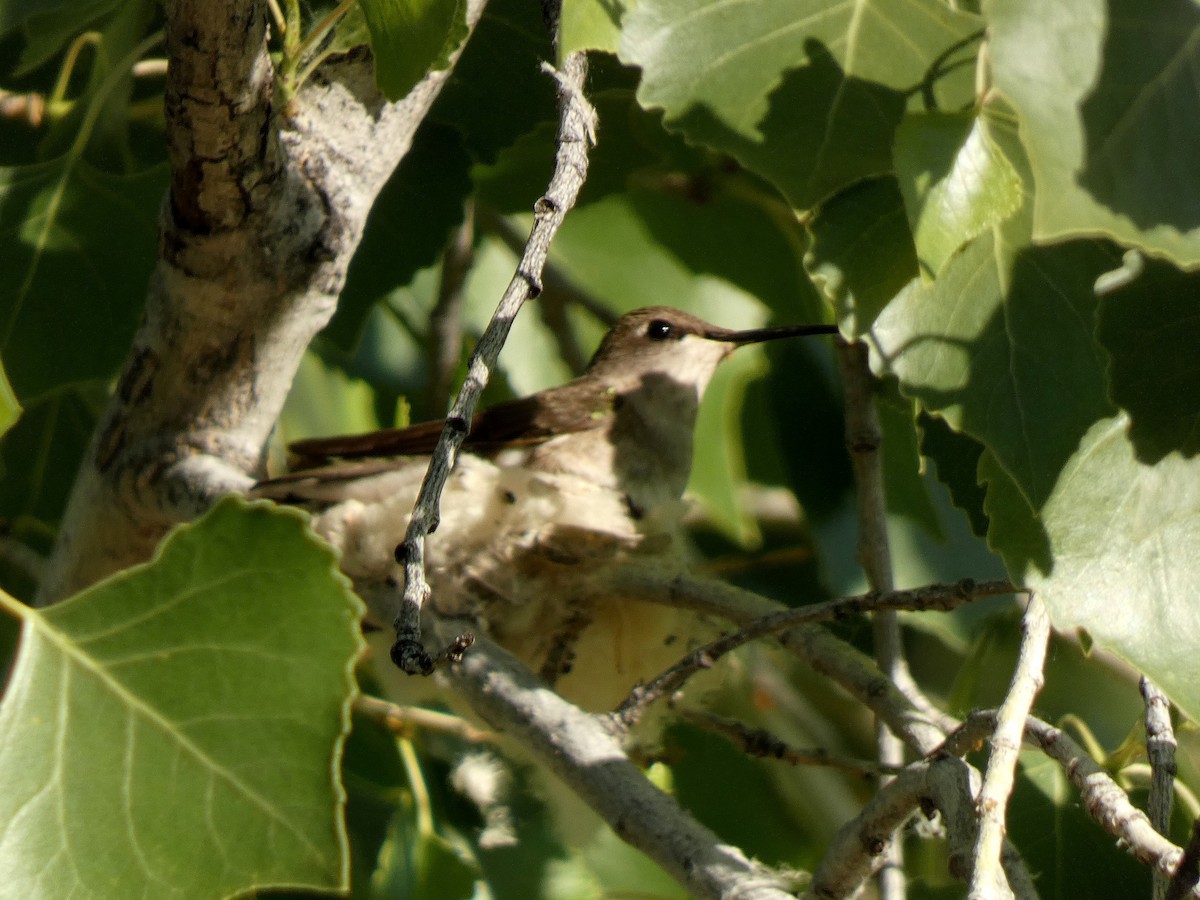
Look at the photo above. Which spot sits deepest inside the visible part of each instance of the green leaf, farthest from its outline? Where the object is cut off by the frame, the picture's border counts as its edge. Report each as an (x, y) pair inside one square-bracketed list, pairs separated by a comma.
[(590, 25), (862, 252), (411, 37), (10, 407), (497, 90), (176, 730), (956, 180), (906, 492), (718, 463), (956, 457), (1150, 327), (408, 227), (49, 25), (46, 442), (422, 865), (1115, 551), (80, 246), (806, 94), (1107, 95), (980, 345)]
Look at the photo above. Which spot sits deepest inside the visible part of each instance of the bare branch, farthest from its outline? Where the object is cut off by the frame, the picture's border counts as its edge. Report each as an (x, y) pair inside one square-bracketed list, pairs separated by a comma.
[(581, 750), (1160, 749), (266, 208), (987, 879), (1103, 799), (863, 439), (936, 596), (576, 133), (825, 653), (760, 742)]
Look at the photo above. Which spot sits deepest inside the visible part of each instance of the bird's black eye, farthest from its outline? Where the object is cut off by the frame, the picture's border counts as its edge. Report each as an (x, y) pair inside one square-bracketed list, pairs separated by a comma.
[(658, 330)]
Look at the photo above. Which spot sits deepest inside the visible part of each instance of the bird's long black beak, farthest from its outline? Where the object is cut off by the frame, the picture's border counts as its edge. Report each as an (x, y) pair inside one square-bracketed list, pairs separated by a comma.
[(758, 335)]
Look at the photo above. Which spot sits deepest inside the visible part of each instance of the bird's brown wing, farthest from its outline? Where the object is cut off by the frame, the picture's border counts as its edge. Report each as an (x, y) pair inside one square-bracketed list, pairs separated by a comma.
[(523, 422)]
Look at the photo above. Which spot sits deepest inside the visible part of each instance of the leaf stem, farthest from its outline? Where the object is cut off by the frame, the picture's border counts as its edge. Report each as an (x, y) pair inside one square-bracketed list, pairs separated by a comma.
[(88, 38), (96, 104)]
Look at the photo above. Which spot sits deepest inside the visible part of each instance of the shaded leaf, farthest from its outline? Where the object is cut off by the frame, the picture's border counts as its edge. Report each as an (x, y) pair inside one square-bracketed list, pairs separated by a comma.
[(407, 229), (80, 246), (497, 90), (47, 441), (981, 345), (1151, 329), (956, 181), (1107, 95), (718, 463), (411, 37), (806, 94), (905, 489), (862, 252), (176, 730), (1115, 551), (956, 457)]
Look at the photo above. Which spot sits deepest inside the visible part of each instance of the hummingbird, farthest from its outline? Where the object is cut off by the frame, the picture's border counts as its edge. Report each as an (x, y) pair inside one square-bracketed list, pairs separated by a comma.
[(551, 490)]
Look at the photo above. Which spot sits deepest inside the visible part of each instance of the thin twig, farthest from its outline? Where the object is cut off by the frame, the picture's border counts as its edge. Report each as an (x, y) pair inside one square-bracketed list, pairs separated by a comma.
[(404, 719), (760, 742), (576, 133), (582, 751), (826, 654), (936, 596), (987, 878), (864, 437), (1103, 799), (1160, 750)]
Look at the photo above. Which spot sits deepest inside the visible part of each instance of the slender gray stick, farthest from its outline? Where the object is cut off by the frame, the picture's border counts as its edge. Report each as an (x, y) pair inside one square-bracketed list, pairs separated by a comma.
[(987, 877), (576, 133), (934, 596), (863, 439), (1160, 749), (1103, 799)]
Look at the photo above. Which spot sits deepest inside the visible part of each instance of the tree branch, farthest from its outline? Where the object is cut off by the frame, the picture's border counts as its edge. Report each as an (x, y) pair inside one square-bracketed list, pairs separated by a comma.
[(864, 437), (266, 208), (581, 750), (1160, 749), (576, 133), (987, 880)]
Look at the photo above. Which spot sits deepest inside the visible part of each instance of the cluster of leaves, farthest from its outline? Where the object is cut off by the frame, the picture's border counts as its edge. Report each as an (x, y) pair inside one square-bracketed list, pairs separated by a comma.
[(999, 201)]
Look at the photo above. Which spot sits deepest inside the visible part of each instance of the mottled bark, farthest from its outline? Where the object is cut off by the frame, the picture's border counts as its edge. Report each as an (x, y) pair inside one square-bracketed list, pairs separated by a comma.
[(265, 210)]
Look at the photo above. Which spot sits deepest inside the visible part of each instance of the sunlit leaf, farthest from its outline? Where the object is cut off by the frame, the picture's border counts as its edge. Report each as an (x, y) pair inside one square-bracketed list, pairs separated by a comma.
[(806, 94), (1107, 95), (1003, 320), (590, 25), (957, 182), (1115, 551), (176, 730)]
